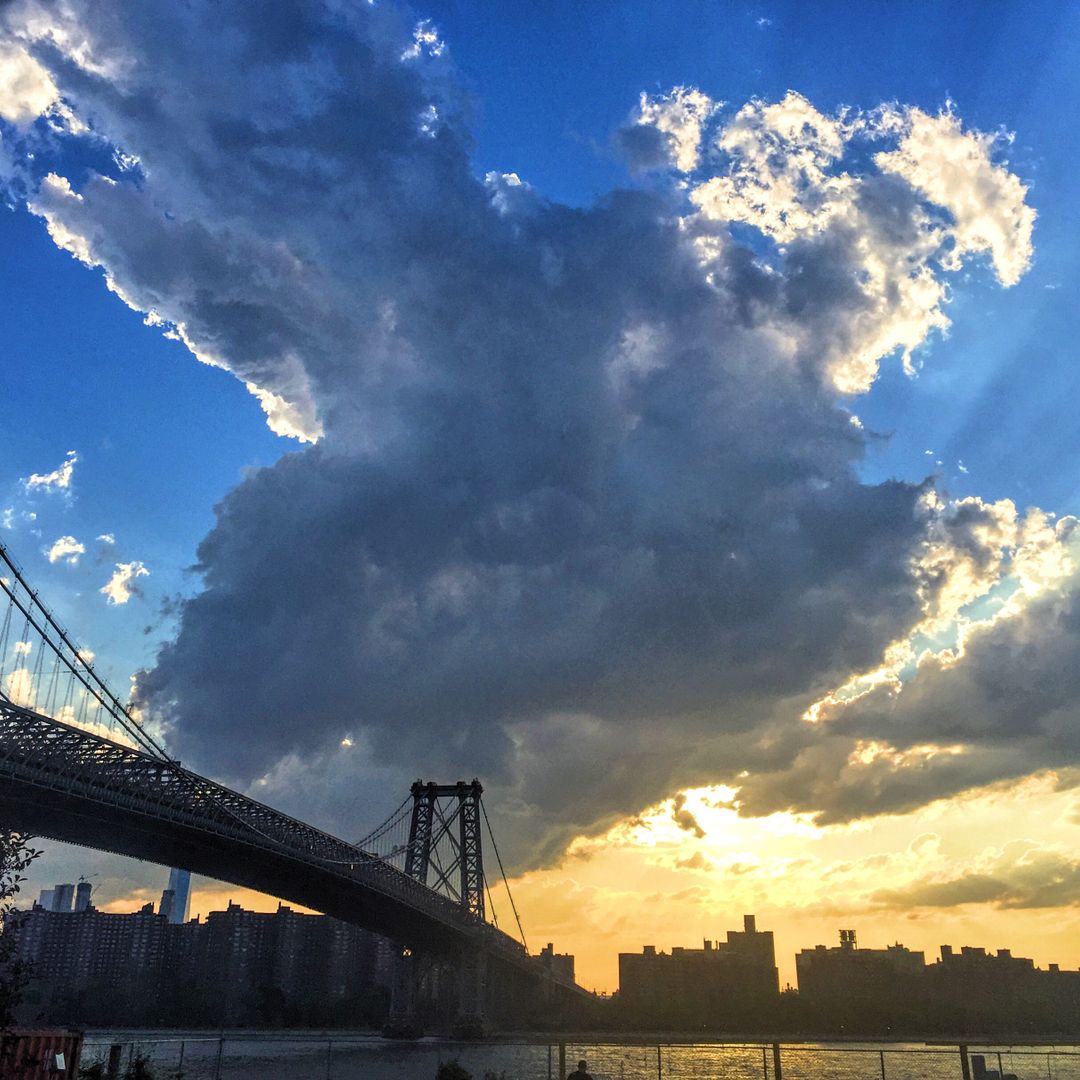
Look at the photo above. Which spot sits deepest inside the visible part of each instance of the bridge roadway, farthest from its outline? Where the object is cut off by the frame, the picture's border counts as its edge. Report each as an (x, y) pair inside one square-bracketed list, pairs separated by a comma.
[(69, 784)]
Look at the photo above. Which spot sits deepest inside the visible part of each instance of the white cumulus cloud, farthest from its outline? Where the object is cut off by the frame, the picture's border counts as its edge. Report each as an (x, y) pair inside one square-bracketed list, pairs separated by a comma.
[(27, 91), (67, 549), (787, 174), (955, 169), (57, 480), (680, 115), (122, 586)]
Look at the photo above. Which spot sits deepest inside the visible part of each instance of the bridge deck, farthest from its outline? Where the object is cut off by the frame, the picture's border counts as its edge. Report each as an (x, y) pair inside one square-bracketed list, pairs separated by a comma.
[(68, 784)]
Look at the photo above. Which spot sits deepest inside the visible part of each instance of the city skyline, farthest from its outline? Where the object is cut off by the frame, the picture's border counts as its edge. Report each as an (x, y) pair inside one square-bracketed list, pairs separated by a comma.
[(665, 415), (844, 940)]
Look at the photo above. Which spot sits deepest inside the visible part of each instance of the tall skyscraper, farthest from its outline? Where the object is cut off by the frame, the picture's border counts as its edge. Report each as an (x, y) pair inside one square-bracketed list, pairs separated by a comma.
[(46, 898), (63, 896), (83, 892), (168, 898), (180, 887)]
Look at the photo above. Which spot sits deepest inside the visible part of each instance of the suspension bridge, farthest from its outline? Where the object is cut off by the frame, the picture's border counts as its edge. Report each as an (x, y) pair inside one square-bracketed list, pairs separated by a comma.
[(77, 764)]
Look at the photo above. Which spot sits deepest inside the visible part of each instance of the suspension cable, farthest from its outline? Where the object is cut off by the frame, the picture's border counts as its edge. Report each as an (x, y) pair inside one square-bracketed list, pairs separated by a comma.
[(89, 678), (381, 830), (491, 903), (24, 599), (498, 859)]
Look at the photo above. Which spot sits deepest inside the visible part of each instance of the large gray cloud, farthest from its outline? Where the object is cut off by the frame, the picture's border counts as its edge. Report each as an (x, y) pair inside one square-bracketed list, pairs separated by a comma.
[(582, 514)]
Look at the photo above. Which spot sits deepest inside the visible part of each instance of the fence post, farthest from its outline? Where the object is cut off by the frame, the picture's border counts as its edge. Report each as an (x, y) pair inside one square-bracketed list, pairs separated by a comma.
[(112, 1070), (965, 1065), (562, 1060), (764, 1064), (1001, 1068), (329, 1056), (882, 1053), (220, 1054), (180, 1063), (778, 1073), (549, 1062), (659, 1064)]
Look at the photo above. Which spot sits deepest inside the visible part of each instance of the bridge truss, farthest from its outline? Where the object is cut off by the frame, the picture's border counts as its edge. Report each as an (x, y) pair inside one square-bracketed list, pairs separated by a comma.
[(78, 764)]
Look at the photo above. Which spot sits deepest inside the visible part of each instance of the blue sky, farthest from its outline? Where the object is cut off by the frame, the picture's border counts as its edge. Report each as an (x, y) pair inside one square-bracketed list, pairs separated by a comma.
[(1005, 378), (416, 313), (550, 84)]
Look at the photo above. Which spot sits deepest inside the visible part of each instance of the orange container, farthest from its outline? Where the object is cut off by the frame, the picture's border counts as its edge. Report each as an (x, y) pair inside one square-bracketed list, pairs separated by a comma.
[(34, 1055)]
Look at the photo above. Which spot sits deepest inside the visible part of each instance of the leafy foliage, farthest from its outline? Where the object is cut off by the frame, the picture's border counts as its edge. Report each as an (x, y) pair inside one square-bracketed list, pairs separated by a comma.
[(15, 856), (452, 1070)]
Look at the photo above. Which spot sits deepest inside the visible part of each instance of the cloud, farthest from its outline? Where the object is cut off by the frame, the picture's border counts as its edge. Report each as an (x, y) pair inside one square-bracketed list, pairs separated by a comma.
[(66, 548), (685, 818), (1022, 875), (26, 88), (955, 169), (107, 538), (779, 175), (667, 130), (123, 584), (425, 42), (57, 480), (19, 687), (785, 175), (578, 508), (998, 703)]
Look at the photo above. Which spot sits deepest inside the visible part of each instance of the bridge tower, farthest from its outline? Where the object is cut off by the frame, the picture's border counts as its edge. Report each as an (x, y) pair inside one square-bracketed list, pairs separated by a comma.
[(445, 852), (445, 843)]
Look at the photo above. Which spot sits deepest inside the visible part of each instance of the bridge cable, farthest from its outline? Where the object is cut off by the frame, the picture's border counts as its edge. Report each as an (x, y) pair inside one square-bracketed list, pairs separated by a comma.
[(381, 830), (5, 631), (498, 859), (82, 670), (491, 903), (51, 633), (89, 678)]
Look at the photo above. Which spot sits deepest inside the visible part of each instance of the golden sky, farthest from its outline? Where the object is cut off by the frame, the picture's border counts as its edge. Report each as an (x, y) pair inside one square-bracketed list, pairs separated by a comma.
[(651, 881), (1008, 850)]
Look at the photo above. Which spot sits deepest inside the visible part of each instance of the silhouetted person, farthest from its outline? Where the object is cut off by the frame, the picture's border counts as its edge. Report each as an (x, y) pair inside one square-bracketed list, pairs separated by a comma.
[(579, 1073)]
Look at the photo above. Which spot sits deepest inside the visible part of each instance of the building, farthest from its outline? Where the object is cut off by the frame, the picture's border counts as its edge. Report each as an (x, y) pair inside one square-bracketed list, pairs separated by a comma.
[(179, 906), (852, 989), (63, 897), (976, 990), (244, 967), (83, 891), (880, 991), (731, 985), (560, 965)]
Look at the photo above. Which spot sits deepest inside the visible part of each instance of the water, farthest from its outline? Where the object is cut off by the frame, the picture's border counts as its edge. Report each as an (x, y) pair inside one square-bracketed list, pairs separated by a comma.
[(339, 1056)]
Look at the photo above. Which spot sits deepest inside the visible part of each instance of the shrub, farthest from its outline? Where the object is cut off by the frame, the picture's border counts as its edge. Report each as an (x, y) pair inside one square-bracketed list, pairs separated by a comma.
[(452, 1070)]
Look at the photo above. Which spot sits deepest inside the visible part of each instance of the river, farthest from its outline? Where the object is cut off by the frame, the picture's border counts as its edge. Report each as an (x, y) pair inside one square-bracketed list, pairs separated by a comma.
[(343, 1056)]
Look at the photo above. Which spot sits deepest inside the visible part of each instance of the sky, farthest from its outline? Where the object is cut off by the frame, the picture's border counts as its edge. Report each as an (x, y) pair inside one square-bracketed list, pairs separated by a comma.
[(662, 412)]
